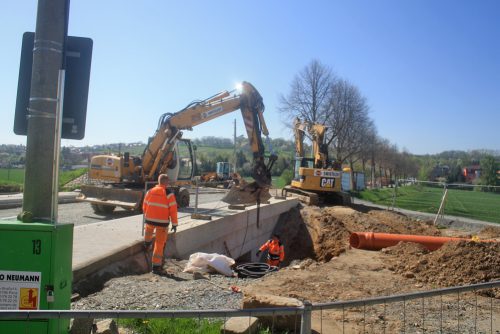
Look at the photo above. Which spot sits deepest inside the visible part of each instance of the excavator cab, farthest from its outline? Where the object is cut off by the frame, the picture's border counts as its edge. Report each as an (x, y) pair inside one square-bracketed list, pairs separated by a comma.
[(124, 191)]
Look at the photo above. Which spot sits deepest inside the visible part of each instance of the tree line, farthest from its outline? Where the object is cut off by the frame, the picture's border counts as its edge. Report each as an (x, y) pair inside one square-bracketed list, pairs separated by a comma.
[(318, 95)]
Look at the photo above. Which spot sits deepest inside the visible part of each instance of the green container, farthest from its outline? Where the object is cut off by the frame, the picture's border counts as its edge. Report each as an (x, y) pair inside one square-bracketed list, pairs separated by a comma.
[(35, 273)]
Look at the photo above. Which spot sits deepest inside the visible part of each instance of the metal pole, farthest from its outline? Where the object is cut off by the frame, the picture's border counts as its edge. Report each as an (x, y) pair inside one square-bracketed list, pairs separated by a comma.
[(234, 153), (442, 205), (48, 54), (196, 198), (305, 324), (57, 146)]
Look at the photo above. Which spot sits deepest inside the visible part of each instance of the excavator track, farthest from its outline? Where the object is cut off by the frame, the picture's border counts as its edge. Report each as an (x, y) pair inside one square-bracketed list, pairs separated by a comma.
[(312, 198), (305, 197)]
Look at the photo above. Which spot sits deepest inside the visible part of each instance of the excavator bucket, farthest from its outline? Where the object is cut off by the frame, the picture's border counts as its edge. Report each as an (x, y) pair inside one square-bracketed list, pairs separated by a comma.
[(246, 193), (255, 192)]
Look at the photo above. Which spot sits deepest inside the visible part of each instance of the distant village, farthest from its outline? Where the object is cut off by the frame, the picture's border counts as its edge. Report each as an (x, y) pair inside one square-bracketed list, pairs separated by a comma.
[(13, 157)]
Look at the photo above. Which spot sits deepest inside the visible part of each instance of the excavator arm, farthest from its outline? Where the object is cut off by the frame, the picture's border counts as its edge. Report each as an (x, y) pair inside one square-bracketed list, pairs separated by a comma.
[(317, 133), (159, 152), (299, 129)]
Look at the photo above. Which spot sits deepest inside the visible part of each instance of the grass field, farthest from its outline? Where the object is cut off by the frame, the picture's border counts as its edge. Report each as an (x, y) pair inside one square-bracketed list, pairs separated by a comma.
[(278, 182), (160, 326), (11, 175), (178, 326), (16, 176), (463, 203)]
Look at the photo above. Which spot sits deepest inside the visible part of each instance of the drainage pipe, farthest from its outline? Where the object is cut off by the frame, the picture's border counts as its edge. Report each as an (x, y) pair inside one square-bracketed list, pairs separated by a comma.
[(377, 241)]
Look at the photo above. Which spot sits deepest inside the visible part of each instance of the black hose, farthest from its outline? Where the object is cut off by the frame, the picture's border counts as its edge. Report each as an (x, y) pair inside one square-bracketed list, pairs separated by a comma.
[(254, 270)]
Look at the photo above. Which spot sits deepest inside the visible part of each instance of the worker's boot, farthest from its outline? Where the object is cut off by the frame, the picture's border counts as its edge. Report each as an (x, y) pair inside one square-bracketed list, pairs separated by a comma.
[(158, 270)]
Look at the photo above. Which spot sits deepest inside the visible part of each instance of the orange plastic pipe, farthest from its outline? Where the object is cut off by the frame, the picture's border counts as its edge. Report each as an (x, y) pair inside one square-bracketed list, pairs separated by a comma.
[(377, 241)]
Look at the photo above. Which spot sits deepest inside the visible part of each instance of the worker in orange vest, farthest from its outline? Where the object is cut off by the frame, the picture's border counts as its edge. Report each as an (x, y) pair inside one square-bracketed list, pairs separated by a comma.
[(160, 209), (275, 251)]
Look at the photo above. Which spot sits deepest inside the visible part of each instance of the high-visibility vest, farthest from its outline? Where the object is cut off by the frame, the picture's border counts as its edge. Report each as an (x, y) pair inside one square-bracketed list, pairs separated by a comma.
[(159, 207), (275, 250)]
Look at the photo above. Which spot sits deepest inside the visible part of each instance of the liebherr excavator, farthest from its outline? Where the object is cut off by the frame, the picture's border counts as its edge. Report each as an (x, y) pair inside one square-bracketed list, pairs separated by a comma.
[(316, 180), (124, 179)]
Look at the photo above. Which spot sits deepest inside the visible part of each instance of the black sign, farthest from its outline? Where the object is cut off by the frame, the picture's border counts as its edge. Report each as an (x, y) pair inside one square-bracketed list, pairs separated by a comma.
[(76, 88)]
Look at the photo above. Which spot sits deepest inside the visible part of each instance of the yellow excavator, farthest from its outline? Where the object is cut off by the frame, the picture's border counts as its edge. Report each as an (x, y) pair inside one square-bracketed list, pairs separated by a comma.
[(123, 180), (316, 180)]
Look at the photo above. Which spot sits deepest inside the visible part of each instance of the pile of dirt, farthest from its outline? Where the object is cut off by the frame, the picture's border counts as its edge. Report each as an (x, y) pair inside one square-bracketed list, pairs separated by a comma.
[(490, 232), (455, 263), (323, 233)]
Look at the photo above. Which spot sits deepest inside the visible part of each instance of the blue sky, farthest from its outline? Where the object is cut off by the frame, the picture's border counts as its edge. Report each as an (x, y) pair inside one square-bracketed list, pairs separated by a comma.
[(429, 69)]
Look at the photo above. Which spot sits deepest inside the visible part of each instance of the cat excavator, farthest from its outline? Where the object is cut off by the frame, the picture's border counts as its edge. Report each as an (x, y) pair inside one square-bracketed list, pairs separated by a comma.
[(123, 180), (316, 180)]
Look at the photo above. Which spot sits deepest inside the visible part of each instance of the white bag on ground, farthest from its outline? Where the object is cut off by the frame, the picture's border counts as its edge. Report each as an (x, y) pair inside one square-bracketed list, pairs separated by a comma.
[(206, 263)]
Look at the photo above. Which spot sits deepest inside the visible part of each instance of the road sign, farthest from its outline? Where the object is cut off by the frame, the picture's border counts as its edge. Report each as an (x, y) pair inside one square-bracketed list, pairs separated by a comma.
[(78, 60)]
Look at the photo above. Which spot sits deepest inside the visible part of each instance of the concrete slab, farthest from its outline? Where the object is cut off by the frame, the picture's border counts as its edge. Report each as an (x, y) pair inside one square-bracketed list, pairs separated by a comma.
[(8, 201), (240, 325)]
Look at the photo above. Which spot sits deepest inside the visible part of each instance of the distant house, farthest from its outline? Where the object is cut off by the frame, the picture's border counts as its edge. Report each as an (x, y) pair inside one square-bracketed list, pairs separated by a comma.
[(471, 173), (439, 172)]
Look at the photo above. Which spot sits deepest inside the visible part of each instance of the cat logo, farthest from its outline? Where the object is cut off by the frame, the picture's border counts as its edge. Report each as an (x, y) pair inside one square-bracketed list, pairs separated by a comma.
[(327, 182)]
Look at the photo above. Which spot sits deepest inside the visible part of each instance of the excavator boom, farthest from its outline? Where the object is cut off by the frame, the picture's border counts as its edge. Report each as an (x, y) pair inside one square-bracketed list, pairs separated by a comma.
[(126, 176), (158, 152)]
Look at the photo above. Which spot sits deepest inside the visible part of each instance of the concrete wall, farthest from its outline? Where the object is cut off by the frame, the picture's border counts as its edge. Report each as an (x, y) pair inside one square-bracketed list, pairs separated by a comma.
[(113, 248), (235, 234)]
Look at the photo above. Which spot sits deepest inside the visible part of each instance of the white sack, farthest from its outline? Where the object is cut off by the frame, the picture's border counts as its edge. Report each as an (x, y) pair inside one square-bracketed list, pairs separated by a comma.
[(206, 263)]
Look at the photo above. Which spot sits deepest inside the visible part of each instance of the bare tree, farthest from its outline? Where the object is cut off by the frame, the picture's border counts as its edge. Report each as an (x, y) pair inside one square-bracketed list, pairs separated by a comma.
[(308, 96), (348, 120), (368, 153)]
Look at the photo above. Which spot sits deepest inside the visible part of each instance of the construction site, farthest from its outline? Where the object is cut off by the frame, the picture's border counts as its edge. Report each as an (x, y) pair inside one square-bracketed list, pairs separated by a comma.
[(322, 266), (289, 249), (332, 249)]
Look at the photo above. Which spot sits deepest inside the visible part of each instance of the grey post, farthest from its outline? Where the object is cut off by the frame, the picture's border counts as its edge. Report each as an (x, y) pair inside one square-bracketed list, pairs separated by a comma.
[(51, 25), (306, 323)]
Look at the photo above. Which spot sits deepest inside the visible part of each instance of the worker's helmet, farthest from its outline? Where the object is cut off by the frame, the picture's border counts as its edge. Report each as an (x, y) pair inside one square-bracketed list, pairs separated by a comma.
[(276, 235)]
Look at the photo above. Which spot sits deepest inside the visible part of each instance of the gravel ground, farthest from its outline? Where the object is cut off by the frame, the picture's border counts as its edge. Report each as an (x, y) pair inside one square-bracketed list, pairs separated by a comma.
[(180, 291)]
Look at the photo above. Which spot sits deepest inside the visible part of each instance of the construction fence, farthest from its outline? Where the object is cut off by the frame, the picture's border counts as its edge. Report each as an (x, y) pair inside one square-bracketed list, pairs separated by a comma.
[(465, 309)]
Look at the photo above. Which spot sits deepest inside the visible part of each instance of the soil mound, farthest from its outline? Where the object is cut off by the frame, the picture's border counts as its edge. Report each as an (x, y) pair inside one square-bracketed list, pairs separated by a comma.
[(456, 263), (490, 232), (329, 229), (322, 234)]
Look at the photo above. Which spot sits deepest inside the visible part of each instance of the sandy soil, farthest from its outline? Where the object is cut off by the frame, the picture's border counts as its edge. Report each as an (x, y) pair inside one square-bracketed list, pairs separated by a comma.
[(322, 267)]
